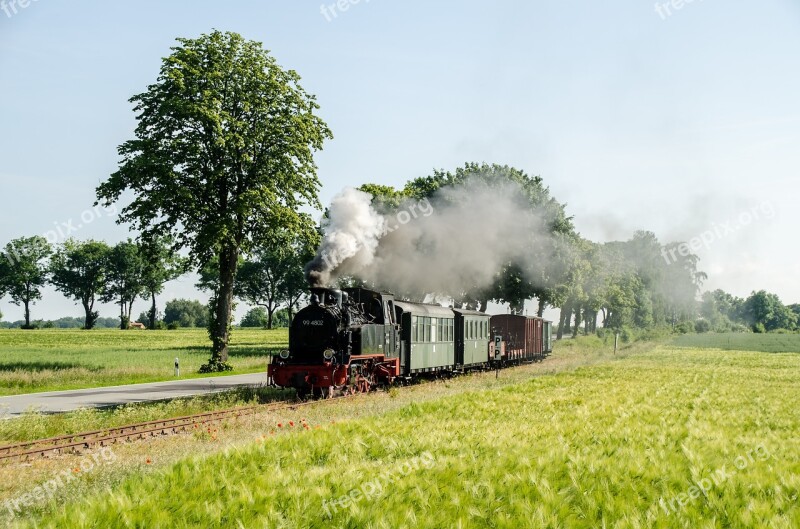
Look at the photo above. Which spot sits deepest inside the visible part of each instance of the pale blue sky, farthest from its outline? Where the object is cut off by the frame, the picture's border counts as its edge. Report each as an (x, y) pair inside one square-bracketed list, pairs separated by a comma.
[(675, 124)]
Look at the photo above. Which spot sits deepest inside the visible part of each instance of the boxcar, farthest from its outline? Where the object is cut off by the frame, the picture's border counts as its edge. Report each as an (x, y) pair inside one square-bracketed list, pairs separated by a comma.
[(526, 338)]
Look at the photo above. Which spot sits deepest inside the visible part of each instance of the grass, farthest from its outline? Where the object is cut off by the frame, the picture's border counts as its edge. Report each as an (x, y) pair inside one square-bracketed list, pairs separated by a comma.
[(768, 343), (34, 425), (59, 359), (604, 441)]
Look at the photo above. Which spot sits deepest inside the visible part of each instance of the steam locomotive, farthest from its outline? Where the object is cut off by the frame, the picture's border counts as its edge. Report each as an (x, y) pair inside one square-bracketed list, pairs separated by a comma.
[(354, 339)]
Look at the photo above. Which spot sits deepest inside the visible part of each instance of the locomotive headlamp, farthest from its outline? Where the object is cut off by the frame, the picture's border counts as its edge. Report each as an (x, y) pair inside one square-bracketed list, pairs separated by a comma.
[(285, 354), (328, 354)]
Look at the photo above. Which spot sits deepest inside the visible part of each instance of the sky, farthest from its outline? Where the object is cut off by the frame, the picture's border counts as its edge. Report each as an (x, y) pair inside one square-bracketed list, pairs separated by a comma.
[(682, 118)]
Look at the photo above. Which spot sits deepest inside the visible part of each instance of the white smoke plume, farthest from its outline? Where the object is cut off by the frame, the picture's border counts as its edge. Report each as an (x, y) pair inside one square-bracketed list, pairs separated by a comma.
[(352, 232), (458, 244)]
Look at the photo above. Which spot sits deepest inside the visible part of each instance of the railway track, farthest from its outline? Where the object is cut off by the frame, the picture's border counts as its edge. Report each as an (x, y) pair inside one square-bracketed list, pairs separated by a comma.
[(107, 436)]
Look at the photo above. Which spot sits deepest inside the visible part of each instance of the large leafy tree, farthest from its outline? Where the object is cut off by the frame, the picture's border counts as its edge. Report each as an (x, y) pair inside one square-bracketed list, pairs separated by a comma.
[(23, 271), (223, 155), (124, 279), (78, 270)]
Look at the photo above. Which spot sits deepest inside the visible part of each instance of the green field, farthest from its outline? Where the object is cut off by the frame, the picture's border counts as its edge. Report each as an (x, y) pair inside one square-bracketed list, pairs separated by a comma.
[(55, 359), (654, 437), (769, 343)]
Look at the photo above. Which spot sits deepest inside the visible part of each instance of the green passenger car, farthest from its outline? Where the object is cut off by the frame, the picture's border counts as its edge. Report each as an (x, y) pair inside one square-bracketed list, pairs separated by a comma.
[(428, 336), (472, 338)]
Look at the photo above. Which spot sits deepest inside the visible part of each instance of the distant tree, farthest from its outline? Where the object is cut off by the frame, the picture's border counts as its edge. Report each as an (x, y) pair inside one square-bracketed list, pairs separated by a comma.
[(23, 271), (223, 155), (186, 313), (295, 286), (78, 270), (765, 310), (124, 279), (161, 265), (260, 280), (273, 276), (106, 323), (702, 326), (255, 317), (144, 317), (282, 318)]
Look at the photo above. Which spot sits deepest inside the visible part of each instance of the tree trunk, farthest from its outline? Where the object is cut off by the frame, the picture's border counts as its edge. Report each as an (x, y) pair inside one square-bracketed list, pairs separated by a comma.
[(129, 309), (484, 304), (594, 322), (88, 322), (540, 310), (27, 314), (270, 313), (152, 313), (562, 314), (577, 325), (220, 335), (586, 322)]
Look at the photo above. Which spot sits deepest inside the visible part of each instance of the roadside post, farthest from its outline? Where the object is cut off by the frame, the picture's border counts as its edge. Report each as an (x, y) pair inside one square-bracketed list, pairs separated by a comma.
[(177, 367)]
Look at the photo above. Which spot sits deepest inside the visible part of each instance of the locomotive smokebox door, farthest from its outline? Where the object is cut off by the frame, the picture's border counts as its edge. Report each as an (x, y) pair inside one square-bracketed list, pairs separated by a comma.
[(497, 346)]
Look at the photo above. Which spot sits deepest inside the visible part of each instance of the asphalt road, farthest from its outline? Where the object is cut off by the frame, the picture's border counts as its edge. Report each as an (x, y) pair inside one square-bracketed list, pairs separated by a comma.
[(61, 401)]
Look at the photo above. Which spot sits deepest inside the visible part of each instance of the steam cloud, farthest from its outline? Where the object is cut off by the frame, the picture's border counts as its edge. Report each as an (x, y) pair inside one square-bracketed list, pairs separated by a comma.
[(454, 244), (352, 232)]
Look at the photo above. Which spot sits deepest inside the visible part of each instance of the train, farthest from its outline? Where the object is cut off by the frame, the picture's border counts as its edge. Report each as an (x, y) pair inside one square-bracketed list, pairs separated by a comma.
[(355, 339)]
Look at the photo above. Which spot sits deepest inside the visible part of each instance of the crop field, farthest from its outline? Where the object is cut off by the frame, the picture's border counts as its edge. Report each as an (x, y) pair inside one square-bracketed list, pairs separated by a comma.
[(770, 343), (657, 436), (55, 359)]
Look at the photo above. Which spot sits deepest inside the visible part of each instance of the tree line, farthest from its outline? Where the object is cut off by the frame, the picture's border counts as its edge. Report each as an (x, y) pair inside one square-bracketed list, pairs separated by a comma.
[(94, 271)]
